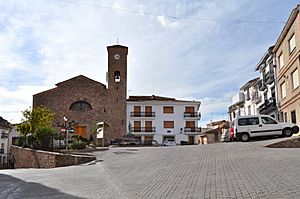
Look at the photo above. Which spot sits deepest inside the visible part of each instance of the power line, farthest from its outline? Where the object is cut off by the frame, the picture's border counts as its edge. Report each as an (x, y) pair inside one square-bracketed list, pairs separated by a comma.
[(171, 17)]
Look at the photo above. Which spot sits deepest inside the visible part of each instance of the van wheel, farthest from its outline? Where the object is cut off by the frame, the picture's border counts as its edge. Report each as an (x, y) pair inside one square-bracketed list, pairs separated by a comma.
[(245, 137), (288, 132)]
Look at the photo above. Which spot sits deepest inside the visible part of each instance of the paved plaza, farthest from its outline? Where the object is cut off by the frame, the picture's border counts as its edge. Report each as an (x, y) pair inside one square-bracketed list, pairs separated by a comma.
[(224, 170)]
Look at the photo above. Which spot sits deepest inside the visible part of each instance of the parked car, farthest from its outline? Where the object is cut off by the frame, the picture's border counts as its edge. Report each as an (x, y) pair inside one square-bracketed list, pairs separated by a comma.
[(168, 142), (116, 141), (154, 143), (246, 127), (225, 137)]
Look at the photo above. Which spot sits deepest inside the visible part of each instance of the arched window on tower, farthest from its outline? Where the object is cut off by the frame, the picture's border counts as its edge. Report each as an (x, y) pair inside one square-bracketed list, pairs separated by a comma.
[(81, 106), (117, 76)]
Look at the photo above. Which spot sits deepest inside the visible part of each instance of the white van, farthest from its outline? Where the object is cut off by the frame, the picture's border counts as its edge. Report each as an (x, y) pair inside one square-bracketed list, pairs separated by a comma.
[(249, 126)]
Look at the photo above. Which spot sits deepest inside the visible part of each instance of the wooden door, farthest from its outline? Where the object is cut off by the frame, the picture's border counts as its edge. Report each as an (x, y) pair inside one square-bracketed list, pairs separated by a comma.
[(148, 126), (148, 111), (189, 109), (191, 139), (137, 111), (80, 130), (137, 126)]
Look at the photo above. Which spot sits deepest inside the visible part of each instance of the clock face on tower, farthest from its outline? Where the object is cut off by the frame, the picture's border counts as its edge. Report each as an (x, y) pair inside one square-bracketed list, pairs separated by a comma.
[(117, 56)]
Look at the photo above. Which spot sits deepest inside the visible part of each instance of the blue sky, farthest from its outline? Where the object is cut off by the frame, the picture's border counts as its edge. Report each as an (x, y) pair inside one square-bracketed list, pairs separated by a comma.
[(176, 48)]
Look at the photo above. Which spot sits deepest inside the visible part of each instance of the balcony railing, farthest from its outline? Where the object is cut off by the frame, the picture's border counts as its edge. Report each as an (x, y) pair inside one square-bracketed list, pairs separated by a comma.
[(262, 86), (269, 78), (143, 129), (195, 115), (142, 114), (267, 106), (192, 129), (1, 151), (4, 135)]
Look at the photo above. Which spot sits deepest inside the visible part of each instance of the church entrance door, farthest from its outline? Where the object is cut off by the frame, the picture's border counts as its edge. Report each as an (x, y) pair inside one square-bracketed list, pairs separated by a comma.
[(80, 130)]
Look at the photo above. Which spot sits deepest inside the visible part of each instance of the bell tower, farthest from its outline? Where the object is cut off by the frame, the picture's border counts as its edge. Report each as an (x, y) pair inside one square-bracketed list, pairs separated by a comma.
[(117, 88)]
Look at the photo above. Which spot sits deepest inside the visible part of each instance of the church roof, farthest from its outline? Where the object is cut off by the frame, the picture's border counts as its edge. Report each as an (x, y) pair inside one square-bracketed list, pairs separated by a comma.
[(74, 79), (80, 78)]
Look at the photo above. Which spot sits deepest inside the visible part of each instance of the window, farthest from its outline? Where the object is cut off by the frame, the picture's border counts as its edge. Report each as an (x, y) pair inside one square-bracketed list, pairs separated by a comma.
[(295, 79), (81, 106), (293, 117), (283, 90), (249, 110), (248, 121), (168, 109), (280, 60), (168, 124), (268, 120), (117, 76), (292, 43)]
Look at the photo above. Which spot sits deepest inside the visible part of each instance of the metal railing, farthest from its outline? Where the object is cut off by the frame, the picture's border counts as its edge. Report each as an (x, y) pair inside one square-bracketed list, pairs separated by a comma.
[(192, 114), (143, 129), (142, 114), (192, 129)]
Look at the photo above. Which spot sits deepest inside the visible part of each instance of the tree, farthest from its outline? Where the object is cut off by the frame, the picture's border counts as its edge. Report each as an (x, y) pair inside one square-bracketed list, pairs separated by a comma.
[(37, 122)]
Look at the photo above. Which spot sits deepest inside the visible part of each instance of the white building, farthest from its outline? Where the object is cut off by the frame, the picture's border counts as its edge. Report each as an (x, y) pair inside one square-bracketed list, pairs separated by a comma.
[(267, 85), (4, 141), (160, 118), (245, 102)]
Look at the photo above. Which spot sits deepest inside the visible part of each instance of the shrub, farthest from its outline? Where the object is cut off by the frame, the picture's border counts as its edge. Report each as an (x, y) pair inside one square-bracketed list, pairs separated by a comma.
[(77, 145)]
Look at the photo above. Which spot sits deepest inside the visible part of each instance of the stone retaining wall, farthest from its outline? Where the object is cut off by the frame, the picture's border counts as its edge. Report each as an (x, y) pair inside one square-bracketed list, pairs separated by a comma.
[(291, 143), (30, 158)]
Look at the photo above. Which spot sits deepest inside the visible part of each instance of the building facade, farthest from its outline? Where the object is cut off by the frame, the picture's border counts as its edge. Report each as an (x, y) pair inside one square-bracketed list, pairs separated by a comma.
[(160, 118), (287, 53), (266, 94), (5, 142), (245, 102), (84, 102)]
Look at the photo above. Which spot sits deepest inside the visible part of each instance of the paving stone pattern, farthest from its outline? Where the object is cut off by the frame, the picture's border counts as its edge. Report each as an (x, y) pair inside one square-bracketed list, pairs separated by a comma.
[(226, 170)]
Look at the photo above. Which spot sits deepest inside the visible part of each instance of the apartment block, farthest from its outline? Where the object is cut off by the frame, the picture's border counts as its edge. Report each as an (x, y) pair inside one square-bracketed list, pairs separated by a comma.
[(287, 54), (266, 96), (245, 101), (160, 118)]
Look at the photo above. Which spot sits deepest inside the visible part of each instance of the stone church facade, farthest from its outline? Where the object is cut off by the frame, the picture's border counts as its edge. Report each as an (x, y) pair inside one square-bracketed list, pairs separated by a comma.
[(88, 102)]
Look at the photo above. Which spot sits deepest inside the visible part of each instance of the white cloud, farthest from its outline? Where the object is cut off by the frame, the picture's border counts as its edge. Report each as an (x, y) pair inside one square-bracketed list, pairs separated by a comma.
[(192, 59), (13, 102)]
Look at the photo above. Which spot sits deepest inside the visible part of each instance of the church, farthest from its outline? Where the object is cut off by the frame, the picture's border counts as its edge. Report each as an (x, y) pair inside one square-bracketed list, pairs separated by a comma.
[(87, 102)]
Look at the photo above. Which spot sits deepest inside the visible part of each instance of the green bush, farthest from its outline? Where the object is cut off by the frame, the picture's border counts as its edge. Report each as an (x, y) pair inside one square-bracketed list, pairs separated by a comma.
[(77, 145)]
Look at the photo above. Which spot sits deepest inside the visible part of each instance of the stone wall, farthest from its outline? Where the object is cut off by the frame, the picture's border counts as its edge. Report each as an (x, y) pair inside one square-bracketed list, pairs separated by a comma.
[(30, 158), (291, 143)]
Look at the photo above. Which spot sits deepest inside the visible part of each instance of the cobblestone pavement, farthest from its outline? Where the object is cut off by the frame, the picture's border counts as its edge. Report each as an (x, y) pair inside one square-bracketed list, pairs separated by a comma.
[(225, 170)]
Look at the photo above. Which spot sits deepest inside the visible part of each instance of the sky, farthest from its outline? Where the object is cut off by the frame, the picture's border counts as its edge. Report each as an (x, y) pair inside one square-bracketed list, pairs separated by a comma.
[(201, 50)]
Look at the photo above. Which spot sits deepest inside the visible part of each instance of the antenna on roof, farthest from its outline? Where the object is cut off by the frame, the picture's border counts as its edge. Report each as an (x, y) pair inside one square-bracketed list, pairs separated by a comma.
[(118, 41)]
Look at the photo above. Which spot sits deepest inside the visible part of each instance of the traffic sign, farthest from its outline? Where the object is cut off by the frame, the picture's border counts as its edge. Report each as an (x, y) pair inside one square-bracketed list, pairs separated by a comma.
[(63, 130), (71, 130)]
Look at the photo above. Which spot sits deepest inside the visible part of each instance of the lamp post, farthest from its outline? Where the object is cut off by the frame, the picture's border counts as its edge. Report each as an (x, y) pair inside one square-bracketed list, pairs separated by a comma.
[(67, 132)]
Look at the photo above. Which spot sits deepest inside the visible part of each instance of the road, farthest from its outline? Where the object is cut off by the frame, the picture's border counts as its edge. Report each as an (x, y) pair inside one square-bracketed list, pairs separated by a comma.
[(225, 170)]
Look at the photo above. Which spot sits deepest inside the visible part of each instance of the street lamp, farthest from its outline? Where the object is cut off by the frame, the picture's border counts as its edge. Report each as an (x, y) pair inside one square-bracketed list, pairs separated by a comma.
[(67, 135)]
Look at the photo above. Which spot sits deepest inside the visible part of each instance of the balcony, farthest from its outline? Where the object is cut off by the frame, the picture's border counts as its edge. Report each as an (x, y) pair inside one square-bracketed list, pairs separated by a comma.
[(269, 78), (142, 114), (261, 85), (268, 106), (143, 129), (4, 135), (238, 98), (194, 115), (255, 97), (1, 151), (192, 130)]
